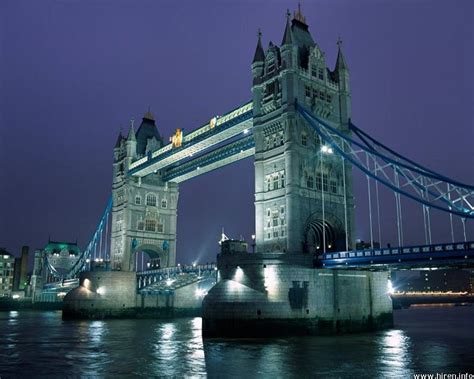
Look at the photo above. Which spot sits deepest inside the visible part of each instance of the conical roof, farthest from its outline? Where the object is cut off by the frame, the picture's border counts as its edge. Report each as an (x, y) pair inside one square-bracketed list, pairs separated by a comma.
[(259, 55)]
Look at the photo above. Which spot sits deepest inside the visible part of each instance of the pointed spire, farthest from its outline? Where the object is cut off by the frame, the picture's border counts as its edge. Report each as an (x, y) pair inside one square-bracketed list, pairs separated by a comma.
[(131, 132), (119, 139), (298, 16), (148, 115), (259, 54), (340, 62), (287, 36)]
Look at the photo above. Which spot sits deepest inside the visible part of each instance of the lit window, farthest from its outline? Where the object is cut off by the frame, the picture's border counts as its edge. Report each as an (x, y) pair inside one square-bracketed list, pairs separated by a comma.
[(151, 200), (164, 203), (138, 200)]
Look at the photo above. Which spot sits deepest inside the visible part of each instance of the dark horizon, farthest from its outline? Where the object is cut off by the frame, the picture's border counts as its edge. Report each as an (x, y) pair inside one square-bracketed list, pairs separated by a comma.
[(72, 72)]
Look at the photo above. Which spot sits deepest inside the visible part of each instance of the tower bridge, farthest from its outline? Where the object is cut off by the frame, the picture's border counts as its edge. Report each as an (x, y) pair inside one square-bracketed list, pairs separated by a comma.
[(306, 149)]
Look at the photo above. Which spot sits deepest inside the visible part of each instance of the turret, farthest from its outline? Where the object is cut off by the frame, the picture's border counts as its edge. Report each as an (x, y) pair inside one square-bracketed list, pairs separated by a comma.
[(258, 58), (131, 143), (342, 75)]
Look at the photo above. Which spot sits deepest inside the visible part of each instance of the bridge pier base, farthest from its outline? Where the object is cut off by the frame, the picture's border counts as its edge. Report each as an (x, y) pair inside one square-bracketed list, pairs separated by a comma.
[(282, 294), (102, 294)]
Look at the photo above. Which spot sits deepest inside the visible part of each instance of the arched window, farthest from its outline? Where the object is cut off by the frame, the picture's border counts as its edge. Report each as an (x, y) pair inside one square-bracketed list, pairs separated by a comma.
[(141, 225), (151, 200), (164, 203)]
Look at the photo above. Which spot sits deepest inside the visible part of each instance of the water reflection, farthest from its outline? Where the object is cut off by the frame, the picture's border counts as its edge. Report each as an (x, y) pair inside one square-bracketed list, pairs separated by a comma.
[(43, 344), (395, 359)]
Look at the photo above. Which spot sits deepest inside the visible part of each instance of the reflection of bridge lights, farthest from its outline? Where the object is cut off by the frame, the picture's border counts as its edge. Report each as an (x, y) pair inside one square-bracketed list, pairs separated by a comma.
[(200, 292), (390, 288), (101, 290), (169, 282)]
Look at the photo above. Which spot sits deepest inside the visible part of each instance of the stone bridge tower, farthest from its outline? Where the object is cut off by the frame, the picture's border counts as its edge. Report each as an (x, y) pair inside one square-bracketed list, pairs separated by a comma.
[(303, 194), (144, 211)]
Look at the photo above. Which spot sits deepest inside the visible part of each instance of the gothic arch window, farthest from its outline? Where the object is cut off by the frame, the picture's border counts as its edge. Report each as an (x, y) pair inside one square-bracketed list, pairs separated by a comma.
[(141, 225), (164, 203), (151, 199), (138, 200), (310, 181)]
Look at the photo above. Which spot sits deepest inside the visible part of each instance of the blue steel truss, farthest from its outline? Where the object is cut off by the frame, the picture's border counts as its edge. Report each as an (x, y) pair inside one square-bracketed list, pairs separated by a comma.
[(201, 137), (86, 254), (399, 174), (229, 150)]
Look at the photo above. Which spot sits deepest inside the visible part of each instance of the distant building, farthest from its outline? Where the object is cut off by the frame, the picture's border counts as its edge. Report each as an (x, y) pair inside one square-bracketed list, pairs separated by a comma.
[(7, 265), (451, 280), (60, 256), (20, 277)]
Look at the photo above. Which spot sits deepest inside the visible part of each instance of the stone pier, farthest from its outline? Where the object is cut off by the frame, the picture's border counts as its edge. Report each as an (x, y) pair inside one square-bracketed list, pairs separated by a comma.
[(283, 294)]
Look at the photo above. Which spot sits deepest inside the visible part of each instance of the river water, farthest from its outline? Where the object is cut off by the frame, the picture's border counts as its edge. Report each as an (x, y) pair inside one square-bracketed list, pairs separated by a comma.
[(424, 340)]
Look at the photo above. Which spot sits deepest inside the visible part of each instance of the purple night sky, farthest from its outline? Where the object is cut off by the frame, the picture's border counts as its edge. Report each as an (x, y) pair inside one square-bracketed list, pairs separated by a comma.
[(72, 72)]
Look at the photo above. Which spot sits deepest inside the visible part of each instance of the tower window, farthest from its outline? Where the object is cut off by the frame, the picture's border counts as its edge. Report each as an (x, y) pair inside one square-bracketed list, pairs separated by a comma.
[(310, 181), (275, 222), (313, 71), (159, 228), (141, 225), (151, 200), (321, 74), (333, 186), (138, 200), (307, 91), (164, 203), (269, 213), (304, 139), (282, 180), (275, 182), (150, 225)]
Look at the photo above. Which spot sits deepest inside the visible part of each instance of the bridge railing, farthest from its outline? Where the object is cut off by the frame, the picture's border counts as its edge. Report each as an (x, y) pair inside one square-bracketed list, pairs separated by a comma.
[(443, 251)]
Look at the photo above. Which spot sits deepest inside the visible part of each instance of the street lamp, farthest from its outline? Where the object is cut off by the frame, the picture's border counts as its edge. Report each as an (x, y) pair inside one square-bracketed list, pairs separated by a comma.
[(253, 243)]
